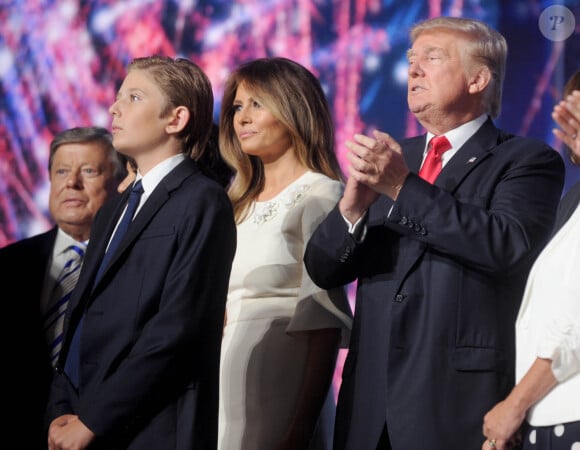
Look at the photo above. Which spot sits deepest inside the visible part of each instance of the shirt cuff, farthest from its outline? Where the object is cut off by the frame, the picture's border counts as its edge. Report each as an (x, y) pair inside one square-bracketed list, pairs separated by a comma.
[(358, 230)]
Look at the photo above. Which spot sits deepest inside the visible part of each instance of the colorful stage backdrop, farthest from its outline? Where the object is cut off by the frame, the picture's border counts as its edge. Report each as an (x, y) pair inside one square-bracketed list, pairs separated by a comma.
[(61, 62)]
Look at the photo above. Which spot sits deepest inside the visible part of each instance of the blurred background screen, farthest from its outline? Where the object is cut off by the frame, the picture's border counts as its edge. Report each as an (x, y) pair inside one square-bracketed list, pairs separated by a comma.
[(62, 61)]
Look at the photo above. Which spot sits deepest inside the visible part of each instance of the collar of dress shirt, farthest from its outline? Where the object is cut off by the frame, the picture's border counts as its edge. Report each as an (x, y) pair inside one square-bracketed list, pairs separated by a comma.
[(156, 174), (63, 241), (458, 136)]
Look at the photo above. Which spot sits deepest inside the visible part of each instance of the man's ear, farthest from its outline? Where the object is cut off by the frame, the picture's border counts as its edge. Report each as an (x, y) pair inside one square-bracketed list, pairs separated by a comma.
[(479, 80), (177, 120)]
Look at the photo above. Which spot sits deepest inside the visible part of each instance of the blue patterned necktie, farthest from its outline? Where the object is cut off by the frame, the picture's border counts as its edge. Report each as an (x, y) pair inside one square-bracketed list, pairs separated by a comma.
[(54, 316), (72, 363)]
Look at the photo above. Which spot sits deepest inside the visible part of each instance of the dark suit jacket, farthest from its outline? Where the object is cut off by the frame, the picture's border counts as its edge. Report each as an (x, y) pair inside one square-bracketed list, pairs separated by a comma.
[(153, 324), (23, 266), (440, 282), (567, 206)]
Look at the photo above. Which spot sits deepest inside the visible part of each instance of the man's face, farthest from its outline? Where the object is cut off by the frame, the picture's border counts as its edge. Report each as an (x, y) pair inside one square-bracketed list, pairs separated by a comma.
[(438, 82), (81, 180)]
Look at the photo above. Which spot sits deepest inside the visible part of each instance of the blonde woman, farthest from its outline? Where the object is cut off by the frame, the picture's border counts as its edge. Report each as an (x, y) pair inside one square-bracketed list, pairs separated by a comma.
[(282, 332)]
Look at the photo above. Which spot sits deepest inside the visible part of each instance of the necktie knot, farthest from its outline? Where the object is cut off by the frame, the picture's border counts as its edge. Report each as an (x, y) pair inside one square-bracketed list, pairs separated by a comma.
[(137, 188), (439, 145), (75, 253), (78, 249)]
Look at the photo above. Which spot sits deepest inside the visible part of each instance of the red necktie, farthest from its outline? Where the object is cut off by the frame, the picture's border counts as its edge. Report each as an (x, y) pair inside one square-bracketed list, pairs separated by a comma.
[(432, 165)]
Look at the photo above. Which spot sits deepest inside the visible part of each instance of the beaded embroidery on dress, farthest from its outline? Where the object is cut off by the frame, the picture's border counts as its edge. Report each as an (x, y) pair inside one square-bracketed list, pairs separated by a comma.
[(265, 211)]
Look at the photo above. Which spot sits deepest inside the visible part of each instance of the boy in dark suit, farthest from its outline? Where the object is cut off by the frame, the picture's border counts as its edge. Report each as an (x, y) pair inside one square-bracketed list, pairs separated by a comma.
[(149, 316)]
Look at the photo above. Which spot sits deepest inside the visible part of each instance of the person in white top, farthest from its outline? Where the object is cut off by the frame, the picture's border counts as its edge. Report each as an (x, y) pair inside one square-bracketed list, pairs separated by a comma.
[(546, 398), (282, 332)]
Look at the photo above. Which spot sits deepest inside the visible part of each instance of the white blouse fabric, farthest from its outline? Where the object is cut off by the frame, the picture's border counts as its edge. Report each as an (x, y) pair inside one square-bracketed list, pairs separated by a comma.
[(271, 300), (548, 324)]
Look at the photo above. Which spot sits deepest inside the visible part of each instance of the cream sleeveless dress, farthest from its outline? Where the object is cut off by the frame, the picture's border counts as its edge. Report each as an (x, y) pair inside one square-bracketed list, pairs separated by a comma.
[(270, 299)]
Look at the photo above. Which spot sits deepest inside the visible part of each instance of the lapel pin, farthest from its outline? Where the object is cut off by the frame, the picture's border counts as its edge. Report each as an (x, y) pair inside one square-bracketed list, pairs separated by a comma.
[(471, 160)]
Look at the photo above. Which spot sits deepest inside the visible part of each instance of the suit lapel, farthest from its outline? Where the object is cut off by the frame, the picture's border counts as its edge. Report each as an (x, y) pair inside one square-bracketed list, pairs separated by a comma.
[(413, 152), (155, 201), (477, 148), (473, 152)]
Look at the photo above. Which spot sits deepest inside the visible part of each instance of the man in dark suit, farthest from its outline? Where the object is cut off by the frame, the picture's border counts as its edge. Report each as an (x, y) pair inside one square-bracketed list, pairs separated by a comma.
[(149, 321), (440, 268), (84, 170)]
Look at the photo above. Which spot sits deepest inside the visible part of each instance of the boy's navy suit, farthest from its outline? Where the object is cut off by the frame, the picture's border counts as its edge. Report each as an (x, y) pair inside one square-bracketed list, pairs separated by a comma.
[(150, 346)]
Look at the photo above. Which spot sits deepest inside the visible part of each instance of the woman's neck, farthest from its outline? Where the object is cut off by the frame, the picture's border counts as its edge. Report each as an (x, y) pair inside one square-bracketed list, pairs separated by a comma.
[(279, 176)]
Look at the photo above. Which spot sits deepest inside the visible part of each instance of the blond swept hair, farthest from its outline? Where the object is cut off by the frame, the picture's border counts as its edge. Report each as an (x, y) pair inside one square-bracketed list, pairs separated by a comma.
[(486, 46)]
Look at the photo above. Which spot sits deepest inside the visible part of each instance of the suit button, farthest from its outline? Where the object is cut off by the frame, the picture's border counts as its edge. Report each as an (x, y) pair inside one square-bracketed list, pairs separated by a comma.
[(399, 298), (403, 221), (423, 231), (346, 254)]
